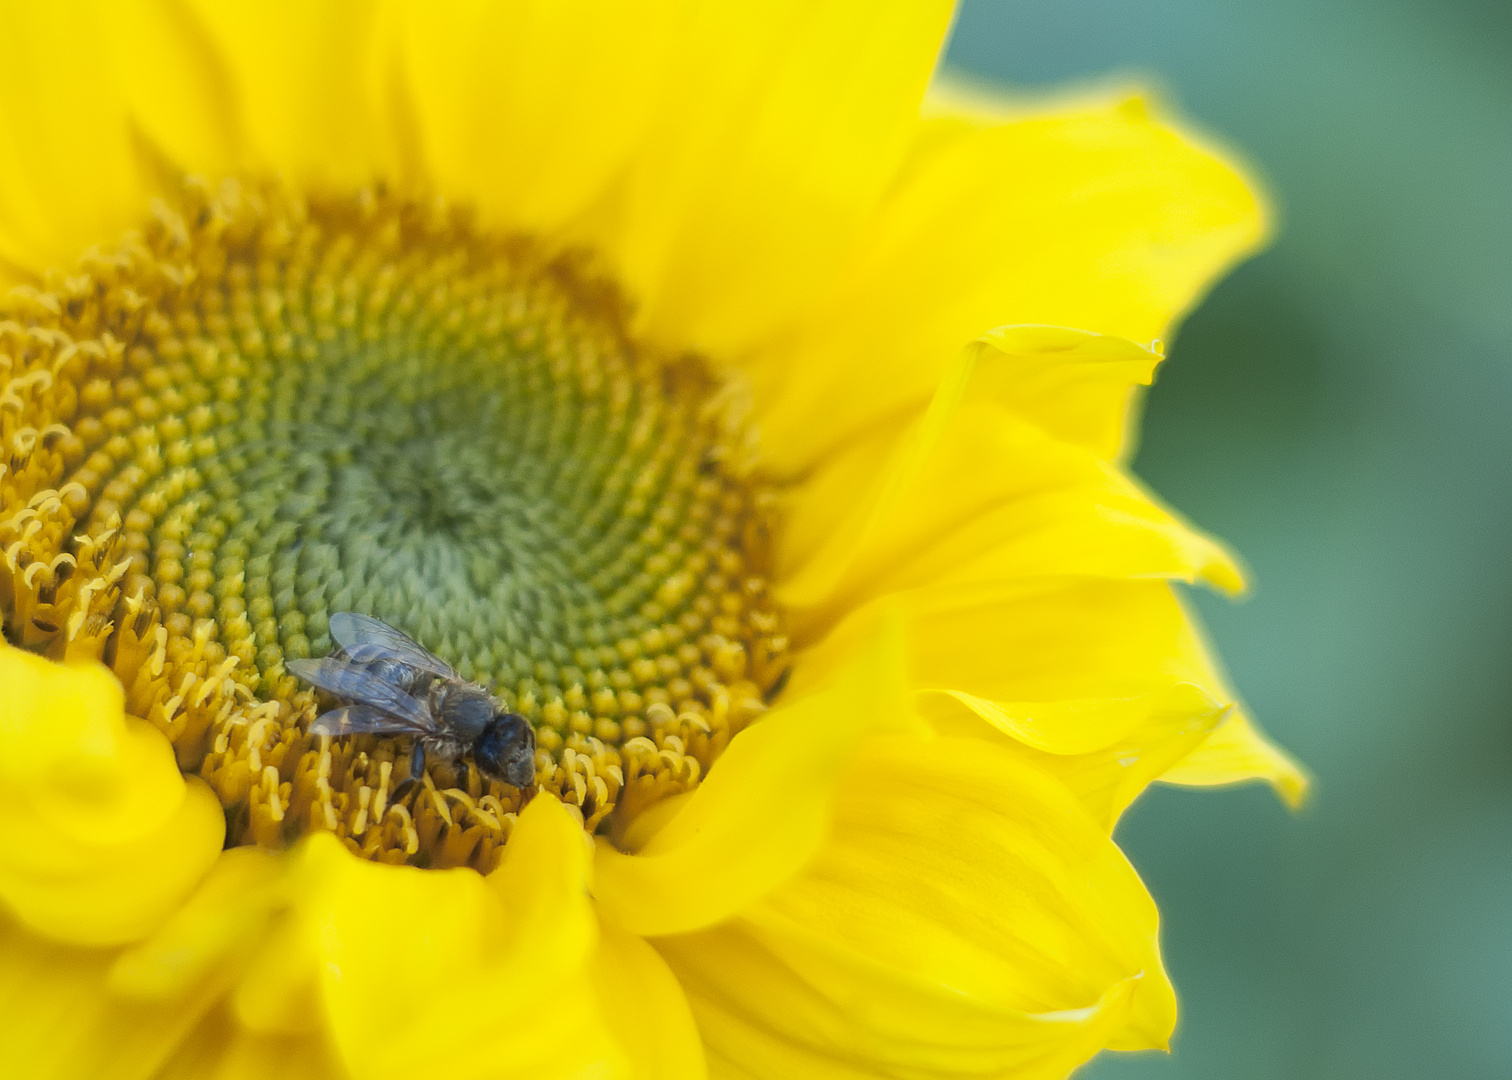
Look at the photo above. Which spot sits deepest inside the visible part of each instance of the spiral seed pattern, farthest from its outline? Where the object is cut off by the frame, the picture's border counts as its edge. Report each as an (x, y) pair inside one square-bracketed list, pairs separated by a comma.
[(267, 407)]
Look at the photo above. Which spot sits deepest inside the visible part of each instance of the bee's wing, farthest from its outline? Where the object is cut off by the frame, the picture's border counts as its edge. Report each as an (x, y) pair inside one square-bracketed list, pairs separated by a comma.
[(362, 720), (362, 687), (365, 639)]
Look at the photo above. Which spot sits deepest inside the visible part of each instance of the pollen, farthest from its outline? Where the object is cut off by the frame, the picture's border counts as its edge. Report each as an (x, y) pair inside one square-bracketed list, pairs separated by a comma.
[(264, 407)]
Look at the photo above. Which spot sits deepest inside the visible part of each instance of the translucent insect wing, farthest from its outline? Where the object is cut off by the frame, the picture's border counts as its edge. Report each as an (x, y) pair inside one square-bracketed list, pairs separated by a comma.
[(357, 684), (361, 720), (365, 639)]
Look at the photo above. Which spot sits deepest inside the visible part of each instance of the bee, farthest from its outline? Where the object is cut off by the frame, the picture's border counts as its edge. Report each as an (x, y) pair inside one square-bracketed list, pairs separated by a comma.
[(393, 686)]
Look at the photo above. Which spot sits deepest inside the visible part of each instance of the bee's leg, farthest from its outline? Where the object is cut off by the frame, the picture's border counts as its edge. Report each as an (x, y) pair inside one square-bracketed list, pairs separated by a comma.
[(417, 760), (416, 770)]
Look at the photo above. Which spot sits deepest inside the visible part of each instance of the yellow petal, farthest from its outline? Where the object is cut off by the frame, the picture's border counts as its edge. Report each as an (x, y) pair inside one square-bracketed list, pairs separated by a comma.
[(160, 1008), (1080, 387), (100, 835), (1106, 751), (1073, 727), (278, 991), (1097, 215), (764, 808), (315, 86), (183, 100), (1106, 683), (209, 938), (487, 975), (977, 513), (240, 937), (1005, 475), (1044, 640), (61, 1021), (645, 1008), (530, 110), (544, 882), (219, 1048), (966, 917), (313, 91), (1237, 753), (780, 129), (69, 172)]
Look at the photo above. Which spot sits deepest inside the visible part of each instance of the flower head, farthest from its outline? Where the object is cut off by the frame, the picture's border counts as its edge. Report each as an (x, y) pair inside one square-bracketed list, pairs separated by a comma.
[(745, 419)]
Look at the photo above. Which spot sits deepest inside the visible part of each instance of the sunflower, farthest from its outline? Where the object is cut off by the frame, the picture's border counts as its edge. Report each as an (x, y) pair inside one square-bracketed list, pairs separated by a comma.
[(745, 411)]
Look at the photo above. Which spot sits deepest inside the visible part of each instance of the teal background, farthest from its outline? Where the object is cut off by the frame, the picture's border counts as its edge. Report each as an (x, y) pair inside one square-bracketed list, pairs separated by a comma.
[(1340, 409)]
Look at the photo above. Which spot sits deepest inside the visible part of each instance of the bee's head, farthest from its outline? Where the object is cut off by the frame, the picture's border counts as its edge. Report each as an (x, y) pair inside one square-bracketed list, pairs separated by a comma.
[(506, 749)]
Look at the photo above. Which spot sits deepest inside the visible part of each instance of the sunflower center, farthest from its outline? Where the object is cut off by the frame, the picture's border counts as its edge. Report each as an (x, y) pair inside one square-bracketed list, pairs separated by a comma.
[(265, 409)]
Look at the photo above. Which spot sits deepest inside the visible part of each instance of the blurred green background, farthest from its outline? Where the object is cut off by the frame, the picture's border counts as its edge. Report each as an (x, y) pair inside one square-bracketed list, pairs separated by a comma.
[(1340, 409)]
